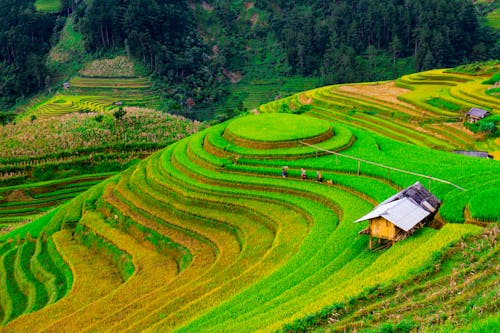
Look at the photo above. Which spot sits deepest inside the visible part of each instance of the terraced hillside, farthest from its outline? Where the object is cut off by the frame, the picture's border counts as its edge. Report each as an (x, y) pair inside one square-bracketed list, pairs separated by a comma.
[(46, 162), (23, 203), (425, 109), (101, 86), (206, 235)]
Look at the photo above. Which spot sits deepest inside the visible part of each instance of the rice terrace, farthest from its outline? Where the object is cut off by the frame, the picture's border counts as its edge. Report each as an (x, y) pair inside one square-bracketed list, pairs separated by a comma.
[(363, 206)]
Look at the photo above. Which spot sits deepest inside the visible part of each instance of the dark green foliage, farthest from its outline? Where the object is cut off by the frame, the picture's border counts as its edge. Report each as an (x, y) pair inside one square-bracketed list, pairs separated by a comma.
[(51, 260), (6, 117), (24, 43), (191, 51), (41, 296), (477, 68), (119, 114), (441, 103), (348, 41), (486, 125), (494, 79), (163, 34), (17, 297)]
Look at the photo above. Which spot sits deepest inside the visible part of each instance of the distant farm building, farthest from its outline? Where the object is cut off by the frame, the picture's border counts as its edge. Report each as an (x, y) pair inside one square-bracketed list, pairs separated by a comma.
[(66, 85), (476, 114), (400, 215), (474, 153)]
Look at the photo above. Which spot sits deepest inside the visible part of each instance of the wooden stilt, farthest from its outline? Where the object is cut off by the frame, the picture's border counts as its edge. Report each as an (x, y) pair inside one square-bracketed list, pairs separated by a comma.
[(370, 242)]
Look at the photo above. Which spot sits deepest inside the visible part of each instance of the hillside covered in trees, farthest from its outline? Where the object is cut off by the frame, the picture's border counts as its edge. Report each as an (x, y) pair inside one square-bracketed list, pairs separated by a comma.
[(194, 48)]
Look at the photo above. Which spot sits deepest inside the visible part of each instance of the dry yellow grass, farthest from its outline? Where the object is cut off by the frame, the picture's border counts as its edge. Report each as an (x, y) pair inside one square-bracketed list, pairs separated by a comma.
[(85, 290), (152, 270), (119, 66), (496, 155), (304, 99)]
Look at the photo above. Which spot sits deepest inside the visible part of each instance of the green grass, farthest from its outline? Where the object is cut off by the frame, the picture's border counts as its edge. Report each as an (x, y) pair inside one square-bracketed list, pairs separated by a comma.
[(68, 50), (484, 206), (493, 18), (493, 79), (222, 146), (48, 6), (438, 102), (277, 127)]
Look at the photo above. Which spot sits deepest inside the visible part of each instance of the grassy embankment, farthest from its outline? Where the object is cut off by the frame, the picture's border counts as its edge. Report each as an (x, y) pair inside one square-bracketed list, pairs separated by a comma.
[(240, 247)]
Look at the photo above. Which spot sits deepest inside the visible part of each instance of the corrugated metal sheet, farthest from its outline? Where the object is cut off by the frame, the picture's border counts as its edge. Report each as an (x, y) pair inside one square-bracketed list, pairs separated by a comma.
[(377, 211), (417, 193), (404, 213), (475, 153), (476, 112)]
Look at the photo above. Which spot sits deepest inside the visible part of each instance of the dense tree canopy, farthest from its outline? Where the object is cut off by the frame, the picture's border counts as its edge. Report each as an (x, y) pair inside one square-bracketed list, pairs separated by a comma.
[(163, 34), (24, 43), (188, 52), (344, 39)]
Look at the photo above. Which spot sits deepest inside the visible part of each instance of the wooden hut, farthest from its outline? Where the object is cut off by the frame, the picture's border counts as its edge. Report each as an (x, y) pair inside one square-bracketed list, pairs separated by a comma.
[(476, 114), (400, 215)]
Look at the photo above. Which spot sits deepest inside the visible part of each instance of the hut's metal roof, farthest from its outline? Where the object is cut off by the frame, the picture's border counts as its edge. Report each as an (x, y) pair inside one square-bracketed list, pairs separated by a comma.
[(419, 194), (476, 112), (475, 153), (404, 213), (406, 208)]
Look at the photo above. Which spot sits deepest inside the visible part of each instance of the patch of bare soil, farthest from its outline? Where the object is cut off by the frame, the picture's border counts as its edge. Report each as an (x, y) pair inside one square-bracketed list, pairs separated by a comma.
[(208, 7), (465, 130), (215, 50), (387, 92), (18, 196), (304, 99), (249, 5), (254, 19), (234, 77)]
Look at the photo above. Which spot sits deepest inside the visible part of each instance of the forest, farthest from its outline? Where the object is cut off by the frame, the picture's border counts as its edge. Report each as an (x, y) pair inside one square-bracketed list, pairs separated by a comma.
[(188, 51)]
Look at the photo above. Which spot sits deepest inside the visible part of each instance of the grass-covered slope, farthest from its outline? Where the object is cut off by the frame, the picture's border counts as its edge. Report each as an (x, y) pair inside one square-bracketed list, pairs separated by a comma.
[(425, 109), (206, 235), (48, 6), (46, 162), (100, 86)]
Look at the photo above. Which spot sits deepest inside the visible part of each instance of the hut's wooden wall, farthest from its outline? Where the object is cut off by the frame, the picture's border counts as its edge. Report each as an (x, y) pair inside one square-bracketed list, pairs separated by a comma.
[(381, 228)]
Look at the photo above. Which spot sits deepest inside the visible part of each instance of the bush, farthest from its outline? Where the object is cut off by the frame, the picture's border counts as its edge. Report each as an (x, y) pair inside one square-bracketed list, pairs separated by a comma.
[(119, 114)]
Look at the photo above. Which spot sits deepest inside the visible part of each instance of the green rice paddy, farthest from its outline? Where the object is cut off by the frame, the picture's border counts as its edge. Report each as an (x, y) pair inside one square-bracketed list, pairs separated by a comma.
[(277, 127), (207, 236)]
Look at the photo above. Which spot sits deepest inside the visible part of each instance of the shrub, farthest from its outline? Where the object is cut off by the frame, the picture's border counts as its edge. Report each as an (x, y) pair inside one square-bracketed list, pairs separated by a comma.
[(119, 114)]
